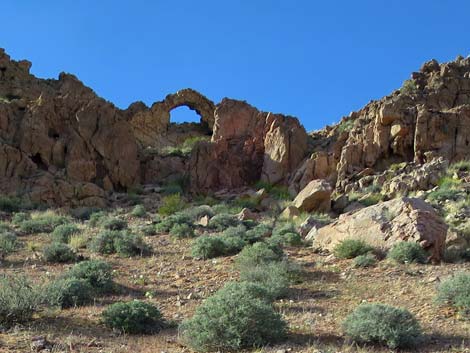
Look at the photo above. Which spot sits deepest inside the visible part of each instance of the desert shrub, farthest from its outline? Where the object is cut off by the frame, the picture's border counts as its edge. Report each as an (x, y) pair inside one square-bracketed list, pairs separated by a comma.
[(207, 247), (62, 233), (286, 234), (139, 211), (4, 227), (134, 317), (383, 324), (182, 231), (409, 87), (171, 204), (69, 292), (237, 316), (442, 194), (351, 248), (167, 223), (407, 252), (130, 244), (247, 202), (149, 229), (113, 223), (232, 244), (460, 166), (197, 212), (96, 218), (10, 204), (456, 292), (371, 199), (279, 192), (222, 221), (273, 277), (78, 241), (255, 255), (20, 217), (8, 243), (366, 260), (96, 272), (173, 188), (103, 242), (19, 299), (58, 253), (42, 223), (257, 233), (346, 125)]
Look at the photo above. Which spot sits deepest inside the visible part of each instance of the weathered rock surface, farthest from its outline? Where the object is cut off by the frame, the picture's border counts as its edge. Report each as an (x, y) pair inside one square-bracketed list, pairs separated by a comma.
[(315, 197), (247, 145), (384, 224)]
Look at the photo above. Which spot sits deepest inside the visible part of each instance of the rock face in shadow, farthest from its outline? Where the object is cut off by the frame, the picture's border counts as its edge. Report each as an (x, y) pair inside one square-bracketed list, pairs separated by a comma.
[(385, 224), (247, 145)]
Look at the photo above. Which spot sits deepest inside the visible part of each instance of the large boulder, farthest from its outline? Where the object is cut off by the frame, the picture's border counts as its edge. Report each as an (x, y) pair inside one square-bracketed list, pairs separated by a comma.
[(315, 197), (387, 223)]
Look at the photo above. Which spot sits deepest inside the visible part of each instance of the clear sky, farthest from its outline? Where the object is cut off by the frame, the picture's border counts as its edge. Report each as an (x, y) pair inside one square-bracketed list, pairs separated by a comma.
[(316, 60)]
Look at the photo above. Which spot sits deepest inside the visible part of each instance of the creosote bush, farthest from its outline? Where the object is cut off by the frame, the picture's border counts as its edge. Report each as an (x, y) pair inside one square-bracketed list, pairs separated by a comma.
[(207, 247), (257, 254), (96, 272), (407, 252), (62, 233), (456, 292), (134, 317), (351, 248), (42, 223), (182, 230), (164, 225), (240, 315), (367, 260), (222, 221), (113, 223), (123, 243), (139, 211), (383, 324), (8, 243), (171, 204), (69, 292), (286, 234), (58, 253), (19, 299)]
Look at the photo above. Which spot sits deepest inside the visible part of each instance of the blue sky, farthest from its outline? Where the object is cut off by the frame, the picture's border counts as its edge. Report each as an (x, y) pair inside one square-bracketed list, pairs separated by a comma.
[(316, 60)]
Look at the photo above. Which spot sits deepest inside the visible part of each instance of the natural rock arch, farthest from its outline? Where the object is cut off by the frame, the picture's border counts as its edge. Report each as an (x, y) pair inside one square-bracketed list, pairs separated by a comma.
[(149, 125)]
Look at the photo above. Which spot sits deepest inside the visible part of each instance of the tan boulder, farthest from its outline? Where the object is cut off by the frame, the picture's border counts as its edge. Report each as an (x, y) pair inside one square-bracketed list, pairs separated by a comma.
[(315, 197), (387, 223), (247, 214), (290, 212)]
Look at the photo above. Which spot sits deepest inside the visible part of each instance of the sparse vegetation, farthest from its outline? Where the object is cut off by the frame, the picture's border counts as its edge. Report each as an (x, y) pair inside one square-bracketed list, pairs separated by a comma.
[(96, 272), (139, 211), (123, 243), (69, 292), (409, 88), (346, 125), (222, 221), (407, 252), (366, 260), (59, 253), (182, 230), (207, 247), (351, 248), (42, 223), (134, 317), (8, 243), (62, 233), (171, 204), (456, 292)]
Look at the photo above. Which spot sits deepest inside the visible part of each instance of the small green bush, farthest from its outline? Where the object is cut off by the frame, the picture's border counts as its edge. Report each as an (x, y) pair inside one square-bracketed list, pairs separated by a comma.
[(103, 242), (274, 277), (62, 233), (135, 317), (20, 217), (257, 233), (383, 324), (351, 248), (444, 194), (69, 292), (407, 252), (456, 292), (461, 166), (409, 87), (113, 224), (197, 212), (45, 223), (149, 229), (96, 218), (59, 253), (96, 272), (207, 247), (232, 244), (139, 211), (182, 231), (255, 255), (10, 204), (8, 243), (286, 234), (167, 223), (130, 244), (366, 260), (222, 221), (19, 299), (237, 316), (171, 204)]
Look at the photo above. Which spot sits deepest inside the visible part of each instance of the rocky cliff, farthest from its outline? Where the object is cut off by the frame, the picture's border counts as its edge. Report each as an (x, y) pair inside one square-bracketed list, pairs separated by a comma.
[(62, 144)]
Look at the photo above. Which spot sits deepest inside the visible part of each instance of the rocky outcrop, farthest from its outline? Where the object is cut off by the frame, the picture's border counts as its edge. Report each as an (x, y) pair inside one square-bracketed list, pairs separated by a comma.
[(247, 145), (315, 197), (384, 224)]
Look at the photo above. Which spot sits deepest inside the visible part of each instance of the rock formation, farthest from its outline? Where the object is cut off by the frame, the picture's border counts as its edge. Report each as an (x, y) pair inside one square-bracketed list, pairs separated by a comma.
[(385, 224)]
